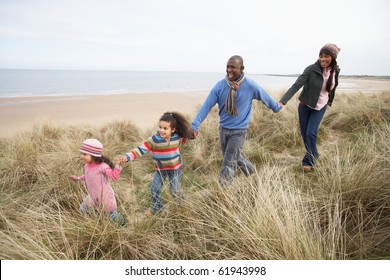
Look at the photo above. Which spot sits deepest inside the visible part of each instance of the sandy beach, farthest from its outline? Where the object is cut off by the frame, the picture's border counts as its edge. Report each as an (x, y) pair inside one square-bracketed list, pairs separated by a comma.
[(144, 109)]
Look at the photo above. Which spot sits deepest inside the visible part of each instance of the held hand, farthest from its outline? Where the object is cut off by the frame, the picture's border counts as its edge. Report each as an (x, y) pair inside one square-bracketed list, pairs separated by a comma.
[(193, 134), (280, 104), (122, 159)]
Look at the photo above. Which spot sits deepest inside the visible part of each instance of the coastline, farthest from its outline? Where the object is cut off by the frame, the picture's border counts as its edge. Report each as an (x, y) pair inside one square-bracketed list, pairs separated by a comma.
[(143, 109)]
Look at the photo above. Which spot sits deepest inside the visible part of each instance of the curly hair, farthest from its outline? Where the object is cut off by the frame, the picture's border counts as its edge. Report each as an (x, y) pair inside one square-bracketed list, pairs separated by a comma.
[(178, 122)]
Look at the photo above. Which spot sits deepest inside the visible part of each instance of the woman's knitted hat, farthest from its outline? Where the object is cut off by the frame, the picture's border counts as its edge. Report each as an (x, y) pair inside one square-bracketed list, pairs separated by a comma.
[(92, 147), (332, 48)]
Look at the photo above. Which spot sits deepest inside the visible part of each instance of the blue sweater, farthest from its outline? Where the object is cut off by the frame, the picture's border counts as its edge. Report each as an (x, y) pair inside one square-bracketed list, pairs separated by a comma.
[(248, 91)]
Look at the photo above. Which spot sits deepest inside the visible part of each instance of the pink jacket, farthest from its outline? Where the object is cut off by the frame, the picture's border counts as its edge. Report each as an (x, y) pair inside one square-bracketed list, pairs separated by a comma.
[(101, 195)]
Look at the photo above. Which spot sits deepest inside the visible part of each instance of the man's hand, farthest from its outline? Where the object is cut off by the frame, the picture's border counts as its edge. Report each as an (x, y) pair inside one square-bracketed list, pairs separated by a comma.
[(193, 134)]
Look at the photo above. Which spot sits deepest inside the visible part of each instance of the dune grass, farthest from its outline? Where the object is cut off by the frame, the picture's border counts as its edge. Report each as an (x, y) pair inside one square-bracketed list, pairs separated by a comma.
[(339, 211)]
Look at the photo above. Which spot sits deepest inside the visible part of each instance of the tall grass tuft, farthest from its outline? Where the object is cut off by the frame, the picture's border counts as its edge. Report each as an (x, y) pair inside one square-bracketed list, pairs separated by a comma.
[(339, 211)]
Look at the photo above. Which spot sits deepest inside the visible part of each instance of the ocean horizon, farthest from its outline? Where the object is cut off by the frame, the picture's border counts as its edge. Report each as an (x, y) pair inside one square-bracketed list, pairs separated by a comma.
[(38, 83), (44, 83)]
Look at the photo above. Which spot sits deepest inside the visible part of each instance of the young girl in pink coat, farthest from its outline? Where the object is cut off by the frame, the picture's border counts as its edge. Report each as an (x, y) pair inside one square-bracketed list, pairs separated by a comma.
[(98, 170)]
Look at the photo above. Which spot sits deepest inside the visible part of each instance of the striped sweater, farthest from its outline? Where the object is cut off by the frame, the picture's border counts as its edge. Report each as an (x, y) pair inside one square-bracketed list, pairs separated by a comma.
[(166, 155)]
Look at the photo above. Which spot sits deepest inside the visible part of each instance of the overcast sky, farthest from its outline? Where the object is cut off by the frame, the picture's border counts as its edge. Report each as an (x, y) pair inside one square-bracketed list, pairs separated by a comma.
[(273, 36)]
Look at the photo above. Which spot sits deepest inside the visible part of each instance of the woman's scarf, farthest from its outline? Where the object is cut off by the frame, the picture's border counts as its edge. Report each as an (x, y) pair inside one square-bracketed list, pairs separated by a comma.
[(230, 103)]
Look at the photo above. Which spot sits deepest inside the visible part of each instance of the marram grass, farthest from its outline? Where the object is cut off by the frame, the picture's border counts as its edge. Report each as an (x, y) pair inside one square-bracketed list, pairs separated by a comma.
[(339, 211)]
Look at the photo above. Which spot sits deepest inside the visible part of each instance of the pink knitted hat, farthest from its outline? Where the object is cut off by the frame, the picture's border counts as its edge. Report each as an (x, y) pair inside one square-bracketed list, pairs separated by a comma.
[(92, 147), (332, 48)]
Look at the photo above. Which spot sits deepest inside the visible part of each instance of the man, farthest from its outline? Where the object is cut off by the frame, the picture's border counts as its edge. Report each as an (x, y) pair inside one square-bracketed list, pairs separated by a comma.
[(234, 96)]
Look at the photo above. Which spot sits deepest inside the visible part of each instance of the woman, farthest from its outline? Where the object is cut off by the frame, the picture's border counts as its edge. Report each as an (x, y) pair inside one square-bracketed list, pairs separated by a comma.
[(319, 82)]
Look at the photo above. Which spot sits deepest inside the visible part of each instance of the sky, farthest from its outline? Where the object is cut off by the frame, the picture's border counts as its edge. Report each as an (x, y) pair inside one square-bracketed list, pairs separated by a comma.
[(272, 36)]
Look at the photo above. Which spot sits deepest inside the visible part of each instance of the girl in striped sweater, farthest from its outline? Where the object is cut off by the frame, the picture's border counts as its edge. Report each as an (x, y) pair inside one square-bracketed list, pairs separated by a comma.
[(164, 147)]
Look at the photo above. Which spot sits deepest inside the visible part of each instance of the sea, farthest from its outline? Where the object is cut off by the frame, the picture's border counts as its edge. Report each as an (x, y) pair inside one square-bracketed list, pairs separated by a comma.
[(38, 83)]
